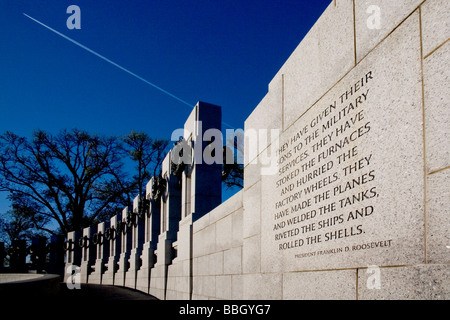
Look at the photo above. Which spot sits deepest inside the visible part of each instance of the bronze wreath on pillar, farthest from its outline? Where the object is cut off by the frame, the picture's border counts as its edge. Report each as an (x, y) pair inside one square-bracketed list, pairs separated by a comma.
[(122, 227), (131, 219), (143, 207), (97, 238), (110, 233), (68, 245), (179, 163), (158, 187), (84, 242)]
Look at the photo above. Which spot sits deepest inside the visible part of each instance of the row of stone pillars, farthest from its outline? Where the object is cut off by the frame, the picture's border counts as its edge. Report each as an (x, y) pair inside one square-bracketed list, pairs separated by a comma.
[(45, 256), (135, 248)]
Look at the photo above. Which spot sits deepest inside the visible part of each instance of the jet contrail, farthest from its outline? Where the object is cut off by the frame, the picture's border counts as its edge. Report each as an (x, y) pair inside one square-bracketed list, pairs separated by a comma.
[(115, 64), (111, 62)]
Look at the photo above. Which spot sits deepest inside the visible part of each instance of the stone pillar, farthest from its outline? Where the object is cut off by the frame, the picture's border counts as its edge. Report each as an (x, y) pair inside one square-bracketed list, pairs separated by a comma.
[(88, 253), (73, 252), (152, 230), (17, 256), (170, 213), (170, 216), (56, 255), (38, 254), (137, 224), (2, 256), (114, 236), (201, 179), (102, 253), (202, 176), (125, 233)]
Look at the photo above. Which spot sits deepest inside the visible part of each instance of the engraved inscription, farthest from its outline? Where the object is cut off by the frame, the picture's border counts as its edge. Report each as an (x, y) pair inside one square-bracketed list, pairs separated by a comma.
[(326, 182)]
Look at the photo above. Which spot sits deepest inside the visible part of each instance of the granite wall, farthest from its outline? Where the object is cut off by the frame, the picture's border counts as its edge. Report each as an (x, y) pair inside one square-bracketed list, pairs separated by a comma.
[(346, 178), (357, 207)]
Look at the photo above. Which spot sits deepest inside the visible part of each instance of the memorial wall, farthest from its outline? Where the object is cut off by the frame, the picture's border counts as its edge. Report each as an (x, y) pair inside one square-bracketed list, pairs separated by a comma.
[(346, 176), (349, 204)]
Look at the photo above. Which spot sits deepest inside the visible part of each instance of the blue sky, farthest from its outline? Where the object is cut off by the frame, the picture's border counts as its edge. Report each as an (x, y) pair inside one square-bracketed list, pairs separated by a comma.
[(223, 52)]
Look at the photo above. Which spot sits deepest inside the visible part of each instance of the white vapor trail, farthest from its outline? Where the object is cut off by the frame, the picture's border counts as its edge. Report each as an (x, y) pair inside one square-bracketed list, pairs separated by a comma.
[(111, 62)]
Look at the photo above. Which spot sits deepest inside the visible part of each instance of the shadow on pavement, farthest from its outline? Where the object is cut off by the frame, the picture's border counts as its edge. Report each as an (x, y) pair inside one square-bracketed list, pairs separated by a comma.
[(92, 292)]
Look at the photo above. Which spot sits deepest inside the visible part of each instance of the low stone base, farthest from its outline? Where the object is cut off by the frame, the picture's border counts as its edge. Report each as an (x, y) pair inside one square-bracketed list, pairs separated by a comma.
[(158, 282), (143, 280)]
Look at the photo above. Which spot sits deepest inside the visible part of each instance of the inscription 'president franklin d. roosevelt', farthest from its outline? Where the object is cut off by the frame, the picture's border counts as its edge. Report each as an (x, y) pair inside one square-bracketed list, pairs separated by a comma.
[(325, 180)]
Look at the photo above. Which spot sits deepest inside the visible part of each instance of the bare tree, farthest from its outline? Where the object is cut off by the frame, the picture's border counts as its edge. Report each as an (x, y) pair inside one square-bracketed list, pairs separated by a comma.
[(148, 154), (72, 178), (233, 169), (20, 223)]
